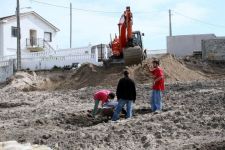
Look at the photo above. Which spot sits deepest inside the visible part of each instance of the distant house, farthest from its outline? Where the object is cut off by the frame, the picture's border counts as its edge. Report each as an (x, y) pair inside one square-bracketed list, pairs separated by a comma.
[(102, 52), (214, 49), (183, 45), (37, 34)]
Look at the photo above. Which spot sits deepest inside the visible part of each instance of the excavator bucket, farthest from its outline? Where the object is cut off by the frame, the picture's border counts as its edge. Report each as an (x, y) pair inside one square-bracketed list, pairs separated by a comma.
[(133, 55)]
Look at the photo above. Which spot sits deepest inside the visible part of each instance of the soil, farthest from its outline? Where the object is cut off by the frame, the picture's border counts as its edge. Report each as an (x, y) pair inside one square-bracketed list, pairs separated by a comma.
[(51, 108), (91, 75)]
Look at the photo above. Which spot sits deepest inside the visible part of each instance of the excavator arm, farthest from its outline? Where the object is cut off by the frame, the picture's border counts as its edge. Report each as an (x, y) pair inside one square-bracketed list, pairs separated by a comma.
[(125, 33)]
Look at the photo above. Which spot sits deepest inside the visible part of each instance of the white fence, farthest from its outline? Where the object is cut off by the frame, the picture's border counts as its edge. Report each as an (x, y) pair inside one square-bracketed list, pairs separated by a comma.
[(48, 59), (6, 70), (48, 62), (156, 51)]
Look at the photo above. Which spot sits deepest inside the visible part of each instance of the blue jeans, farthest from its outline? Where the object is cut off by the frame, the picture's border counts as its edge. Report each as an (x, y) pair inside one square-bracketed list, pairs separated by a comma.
[(121, 103), (156, 100)]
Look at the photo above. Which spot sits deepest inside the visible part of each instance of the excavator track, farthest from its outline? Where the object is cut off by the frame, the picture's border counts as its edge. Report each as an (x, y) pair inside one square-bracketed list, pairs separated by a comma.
[(133, 55)]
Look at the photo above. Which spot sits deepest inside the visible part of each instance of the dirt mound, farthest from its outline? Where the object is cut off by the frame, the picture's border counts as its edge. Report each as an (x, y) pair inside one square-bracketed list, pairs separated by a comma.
[(174, 70), (210, 69), (92, 75), (26, 81), (30, 81)]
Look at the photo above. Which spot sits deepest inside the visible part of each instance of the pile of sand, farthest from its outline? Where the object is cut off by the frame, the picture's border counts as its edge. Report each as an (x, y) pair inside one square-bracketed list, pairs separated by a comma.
[(30, 81), (174, 70), (92, 75)]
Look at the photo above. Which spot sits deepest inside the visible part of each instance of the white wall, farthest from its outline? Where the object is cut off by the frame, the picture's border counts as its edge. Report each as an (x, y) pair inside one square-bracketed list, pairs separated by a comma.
[(72, 51), (46, 60), (41, 27), (183, 45), (10, 42), (28, 22)]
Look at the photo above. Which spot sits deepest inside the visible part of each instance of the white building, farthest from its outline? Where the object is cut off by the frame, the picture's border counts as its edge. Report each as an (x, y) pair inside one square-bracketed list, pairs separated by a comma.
[(104, 51), (37, 34), (183, 45)]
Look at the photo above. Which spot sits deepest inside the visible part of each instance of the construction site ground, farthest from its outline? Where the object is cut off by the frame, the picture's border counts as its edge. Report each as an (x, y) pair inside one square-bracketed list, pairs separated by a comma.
[(51, 108)]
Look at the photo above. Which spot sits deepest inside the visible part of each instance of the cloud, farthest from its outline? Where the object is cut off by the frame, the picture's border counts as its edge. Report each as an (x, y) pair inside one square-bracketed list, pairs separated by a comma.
[(189, 9)]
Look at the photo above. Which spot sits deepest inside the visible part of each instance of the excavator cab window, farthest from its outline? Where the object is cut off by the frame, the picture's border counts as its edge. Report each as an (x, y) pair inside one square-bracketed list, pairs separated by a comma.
[(137, 39)]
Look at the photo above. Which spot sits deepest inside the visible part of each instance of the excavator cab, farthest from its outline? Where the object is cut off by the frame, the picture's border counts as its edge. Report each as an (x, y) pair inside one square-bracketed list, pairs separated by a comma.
[(134, 54), (137, 39)]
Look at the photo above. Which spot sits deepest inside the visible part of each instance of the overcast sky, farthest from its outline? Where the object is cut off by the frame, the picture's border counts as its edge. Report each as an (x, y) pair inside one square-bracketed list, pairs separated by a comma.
[(150, 17)]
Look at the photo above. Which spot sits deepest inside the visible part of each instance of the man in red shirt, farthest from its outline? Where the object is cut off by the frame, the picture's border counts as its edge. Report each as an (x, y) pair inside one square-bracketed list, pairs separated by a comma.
[(104, 96), (158, 86)]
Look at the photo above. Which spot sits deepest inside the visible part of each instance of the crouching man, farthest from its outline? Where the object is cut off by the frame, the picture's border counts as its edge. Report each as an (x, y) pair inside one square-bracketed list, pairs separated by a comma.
[(106, 97)]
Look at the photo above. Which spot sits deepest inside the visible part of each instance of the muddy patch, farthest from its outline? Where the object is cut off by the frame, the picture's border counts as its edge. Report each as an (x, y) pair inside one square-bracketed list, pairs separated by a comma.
[(11, 105)]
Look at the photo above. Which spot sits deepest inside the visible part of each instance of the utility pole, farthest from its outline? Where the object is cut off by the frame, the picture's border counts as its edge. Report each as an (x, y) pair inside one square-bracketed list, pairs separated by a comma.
[(170, 24), (18, 36), (71, 25)]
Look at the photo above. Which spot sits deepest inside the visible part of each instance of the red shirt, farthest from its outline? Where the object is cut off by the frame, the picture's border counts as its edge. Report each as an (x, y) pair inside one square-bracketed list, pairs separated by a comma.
[(102, 95), (159, 85)]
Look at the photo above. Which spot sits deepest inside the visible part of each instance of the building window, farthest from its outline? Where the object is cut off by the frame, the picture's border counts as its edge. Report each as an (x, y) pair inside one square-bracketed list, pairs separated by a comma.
[(14, 31), (48, 36)]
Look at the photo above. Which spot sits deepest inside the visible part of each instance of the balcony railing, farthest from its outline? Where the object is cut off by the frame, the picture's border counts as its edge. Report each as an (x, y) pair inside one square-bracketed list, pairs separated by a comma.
[(35, 42)]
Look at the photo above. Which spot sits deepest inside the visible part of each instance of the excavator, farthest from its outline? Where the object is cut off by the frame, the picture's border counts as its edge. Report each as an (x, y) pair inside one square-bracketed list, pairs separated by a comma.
[(127, 48)]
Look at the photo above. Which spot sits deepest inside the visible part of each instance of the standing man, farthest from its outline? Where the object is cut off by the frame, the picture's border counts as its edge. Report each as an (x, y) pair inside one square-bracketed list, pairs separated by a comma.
[(158, 86), (126, 95), (105, 96)]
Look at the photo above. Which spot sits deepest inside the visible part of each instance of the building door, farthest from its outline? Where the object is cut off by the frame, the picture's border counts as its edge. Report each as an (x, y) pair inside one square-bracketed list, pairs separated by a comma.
[(33, 37)]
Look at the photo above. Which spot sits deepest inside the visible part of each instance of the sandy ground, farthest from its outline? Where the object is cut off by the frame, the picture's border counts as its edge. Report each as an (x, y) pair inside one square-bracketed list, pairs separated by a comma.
[(193, 116)]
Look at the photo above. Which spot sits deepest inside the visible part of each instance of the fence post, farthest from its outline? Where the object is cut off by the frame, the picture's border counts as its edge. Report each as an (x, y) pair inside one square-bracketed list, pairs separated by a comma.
[(14, 65), (101, 53), (105, 52), (96, 54)]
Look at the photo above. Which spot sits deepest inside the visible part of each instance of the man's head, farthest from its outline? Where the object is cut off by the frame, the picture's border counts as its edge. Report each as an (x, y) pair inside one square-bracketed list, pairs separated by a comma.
[(111, 95), (126, 73), (128, 8), (155, 63)]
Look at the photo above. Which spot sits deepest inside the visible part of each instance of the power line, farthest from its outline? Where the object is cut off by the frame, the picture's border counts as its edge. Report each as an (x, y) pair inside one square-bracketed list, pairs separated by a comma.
[(91, 10), (198, 20), (80, 9), (138, 12)]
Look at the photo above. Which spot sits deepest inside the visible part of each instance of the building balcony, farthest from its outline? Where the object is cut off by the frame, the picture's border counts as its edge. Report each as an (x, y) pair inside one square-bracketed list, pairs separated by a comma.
[(35, 44)]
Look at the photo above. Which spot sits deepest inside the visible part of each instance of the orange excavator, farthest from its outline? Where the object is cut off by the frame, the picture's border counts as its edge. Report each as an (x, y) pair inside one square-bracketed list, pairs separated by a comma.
[(127, 47)]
